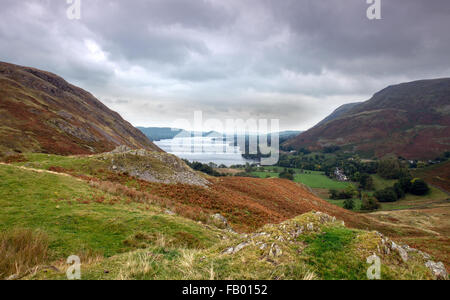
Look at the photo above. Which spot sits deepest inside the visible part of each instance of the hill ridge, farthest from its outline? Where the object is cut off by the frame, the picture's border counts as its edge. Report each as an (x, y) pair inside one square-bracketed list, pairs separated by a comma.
[(42, 112), (409, 119)]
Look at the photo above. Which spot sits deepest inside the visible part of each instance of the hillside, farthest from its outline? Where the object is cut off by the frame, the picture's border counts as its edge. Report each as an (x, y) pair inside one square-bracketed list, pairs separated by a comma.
[(410, 119), (41, 112), (122, 233), (340, 111), (437, 175)]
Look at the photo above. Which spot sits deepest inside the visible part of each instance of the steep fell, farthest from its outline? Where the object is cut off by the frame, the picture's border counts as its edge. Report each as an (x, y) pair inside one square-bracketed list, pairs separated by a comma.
[(410, 119), (41, 112)]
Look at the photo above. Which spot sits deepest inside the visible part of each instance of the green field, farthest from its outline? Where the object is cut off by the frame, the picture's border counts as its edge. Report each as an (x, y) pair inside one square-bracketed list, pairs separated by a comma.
[(410, 201), (311, 179)]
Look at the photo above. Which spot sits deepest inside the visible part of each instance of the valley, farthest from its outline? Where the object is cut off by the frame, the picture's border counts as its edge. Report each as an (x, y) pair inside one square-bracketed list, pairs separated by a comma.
[(77, 179)]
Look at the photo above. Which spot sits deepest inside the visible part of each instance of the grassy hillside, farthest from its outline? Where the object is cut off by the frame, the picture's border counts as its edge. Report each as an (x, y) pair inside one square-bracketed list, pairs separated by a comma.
[(123, 227), (247, 203), (437, 175), (80, 219), (311, 246)]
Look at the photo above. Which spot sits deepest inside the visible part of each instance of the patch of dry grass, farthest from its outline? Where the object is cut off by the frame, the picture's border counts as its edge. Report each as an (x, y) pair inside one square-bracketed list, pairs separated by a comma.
[(21, 250)]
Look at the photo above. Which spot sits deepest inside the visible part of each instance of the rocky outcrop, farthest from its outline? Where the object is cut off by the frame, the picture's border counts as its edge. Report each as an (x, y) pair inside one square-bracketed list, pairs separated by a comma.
[(274, 241), (152, 166), (438, 270), (404, 251)]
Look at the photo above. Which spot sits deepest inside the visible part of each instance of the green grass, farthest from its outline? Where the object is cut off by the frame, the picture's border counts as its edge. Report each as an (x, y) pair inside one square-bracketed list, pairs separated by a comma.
[(380, 183), (138, 241), (80, 164), (319, 180), (313, 179), (340, 203), (330, 254), (65, 209), (410, 201)]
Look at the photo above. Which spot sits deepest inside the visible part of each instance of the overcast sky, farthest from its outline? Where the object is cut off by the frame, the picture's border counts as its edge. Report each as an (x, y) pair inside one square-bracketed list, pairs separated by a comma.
[(156, 61)]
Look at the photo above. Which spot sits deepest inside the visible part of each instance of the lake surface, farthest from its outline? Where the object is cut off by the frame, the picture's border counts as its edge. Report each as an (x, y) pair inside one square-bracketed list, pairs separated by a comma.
[(204, 150)]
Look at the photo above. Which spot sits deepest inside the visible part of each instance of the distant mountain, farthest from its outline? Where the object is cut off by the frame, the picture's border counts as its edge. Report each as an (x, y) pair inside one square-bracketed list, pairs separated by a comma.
[(410, 119), (162, 133), (41, 112), (165, 133)]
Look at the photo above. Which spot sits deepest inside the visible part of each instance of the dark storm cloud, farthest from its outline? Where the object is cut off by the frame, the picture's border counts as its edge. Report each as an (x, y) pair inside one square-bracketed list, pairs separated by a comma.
[(296, 60)]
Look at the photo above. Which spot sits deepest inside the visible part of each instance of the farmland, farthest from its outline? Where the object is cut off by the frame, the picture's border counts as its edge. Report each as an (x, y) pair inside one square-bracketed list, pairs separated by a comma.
[(312, 179)]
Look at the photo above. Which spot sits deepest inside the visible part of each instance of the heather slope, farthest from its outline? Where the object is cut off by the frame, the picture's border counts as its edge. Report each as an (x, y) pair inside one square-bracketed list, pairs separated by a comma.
[(41, 112), (410, 119)]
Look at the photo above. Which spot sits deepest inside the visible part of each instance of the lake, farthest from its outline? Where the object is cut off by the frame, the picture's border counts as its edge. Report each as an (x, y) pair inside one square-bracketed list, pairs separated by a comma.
[(204, 150)]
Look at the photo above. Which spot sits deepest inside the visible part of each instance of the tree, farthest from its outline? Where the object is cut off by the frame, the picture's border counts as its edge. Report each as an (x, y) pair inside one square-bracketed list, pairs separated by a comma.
[(369, 203), (399, 190), (348, 193), (405, 183), (331, 149), (419, 187), (386, 195), (366, 181), (287, 174), (349, 204), (248, 168), (391, 169), (333, 194)]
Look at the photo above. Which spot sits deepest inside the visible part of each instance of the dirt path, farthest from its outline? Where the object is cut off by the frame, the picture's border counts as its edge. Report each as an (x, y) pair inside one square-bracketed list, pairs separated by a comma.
[(40, 171)]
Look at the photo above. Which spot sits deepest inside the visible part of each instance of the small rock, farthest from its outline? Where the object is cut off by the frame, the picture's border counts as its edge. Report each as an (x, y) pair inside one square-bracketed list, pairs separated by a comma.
[(409, 249), (257, 235), (425, 255), (275, 251), (169, 212), (402, 252), (12, 277), (310, 227), (240, 247), (228, 251), (221, 220), (438, 270)]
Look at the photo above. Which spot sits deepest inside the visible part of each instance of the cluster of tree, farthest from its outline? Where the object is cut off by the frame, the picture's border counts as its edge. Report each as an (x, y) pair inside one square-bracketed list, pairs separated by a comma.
[(331, 149), (405, 185), (392, 168), (204, 168), (348, 193), (369, 203), (349, 204), (287, 174), (365, 181), (327, 163)]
